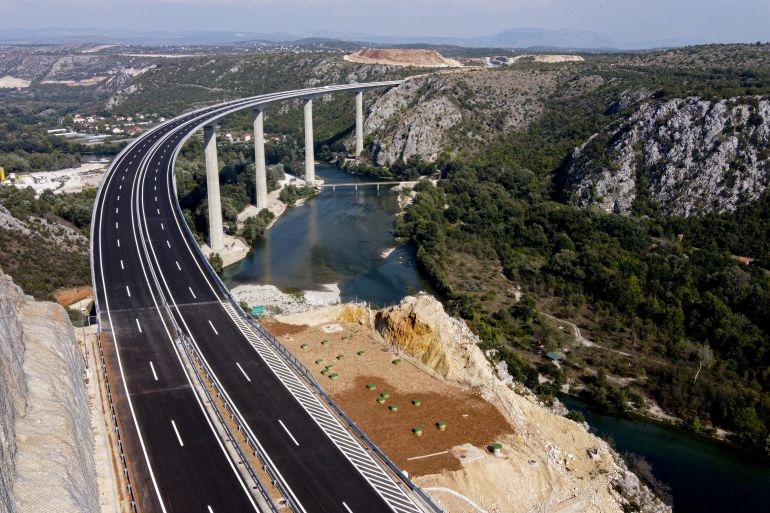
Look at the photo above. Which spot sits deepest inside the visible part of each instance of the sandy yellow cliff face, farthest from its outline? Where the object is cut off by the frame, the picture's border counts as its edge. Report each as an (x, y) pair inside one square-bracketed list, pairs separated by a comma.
[(46, 440), (551, 463)]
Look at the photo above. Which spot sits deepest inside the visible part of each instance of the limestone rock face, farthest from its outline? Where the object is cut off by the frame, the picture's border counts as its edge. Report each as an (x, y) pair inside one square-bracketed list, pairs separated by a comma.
[(13, 386), (688, 155), (46, 440), (412, 119)]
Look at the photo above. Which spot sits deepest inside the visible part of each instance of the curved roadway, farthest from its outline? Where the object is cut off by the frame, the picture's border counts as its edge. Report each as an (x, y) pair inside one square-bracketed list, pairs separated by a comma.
[(149, 280)]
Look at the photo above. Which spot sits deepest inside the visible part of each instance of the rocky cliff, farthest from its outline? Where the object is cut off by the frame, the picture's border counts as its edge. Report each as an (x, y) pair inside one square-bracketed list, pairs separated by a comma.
[(553, 463), (686, 155), (461, 110), (46, 441)]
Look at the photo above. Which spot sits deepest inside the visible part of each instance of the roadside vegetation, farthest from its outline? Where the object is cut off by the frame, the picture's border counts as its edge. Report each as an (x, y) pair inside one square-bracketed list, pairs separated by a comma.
[(48, 248)]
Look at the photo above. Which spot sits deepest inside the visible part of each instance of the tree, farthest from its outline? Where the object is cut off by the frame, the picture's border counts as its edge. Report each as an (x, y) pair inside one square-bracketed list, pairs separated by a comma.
[(216, 262), (705, 359)]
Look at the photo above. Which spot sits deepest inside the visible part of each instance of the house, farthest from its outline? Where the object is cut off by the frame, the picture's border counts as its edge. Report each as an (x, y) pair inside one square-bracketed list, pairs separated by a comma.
[(117, 131), (743, 260), (78, 119), (555, 356)]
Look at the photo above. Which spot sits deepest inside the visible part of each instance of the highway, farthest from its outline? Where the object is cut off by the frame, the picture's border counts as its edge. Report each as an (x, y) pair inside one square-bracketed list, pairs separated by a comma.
[(150, 281)]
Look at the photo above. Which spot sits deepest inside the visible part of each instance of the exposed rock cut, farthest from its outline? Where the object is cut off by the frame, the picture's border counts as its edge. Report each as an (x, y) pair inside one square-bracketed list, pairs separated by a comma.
[(552, 464), (46, 440)]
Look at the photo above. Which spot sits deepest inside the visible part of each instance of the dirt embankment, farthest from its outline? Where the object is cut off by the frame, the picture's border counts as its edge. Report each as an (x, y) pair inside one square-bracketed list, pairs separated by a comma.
[(402, 57), (415, 351)]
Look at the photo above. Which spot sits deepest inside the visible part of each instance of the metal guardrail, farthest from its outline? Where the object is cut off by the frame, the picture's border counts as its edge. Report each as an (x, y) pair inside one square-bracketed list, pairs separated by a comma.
[(134, 503), (187, 345), (302, 369)]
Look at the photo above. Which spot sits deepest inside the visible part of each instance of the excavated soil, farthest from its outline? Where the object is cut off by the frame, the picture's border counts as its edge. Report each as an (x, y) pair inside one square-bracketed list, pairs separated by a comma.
[(469, 419), (66, 297), (402, 57)]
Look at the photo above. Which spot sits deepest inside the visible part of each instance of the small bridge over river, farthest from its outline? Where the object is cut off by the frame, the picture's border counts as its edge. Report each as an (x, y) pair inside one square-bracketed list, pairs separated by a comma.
[(356, 185)]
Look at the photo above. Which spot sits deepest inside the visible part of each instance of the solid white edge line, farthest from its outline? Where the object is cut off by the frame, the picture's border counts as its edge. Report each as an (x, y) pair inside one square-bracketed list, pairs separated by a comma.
[(243, 372), (101, 198), (262, 100), (219, 441), (178, 437), (288, 432)]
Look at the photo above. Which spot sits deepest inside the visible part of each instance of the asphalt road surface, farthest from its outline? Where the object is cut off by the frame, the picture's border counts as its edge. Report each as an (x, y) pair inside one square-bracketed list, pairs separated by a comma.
[(143, 259)]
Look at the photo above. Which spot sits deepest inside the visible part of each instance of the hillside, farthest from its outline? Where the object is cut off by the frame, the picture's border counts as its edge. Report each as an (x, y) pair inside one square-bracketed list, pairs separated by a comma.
[(656, 296), (684, 156), (43, 241), (460, 111)]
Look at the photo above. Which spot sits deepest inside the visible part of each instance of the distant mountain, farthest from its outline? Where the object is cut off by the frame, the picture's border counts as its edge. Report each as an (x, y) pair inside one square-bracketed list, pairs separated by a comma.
[(57, 35), (535, 37), (516, 38)]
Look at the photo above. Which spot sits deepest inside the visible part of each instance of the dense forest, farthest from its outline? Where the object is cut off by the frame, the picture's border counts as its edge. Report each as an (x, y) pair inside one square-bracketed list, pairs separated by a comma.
[(673, 314)]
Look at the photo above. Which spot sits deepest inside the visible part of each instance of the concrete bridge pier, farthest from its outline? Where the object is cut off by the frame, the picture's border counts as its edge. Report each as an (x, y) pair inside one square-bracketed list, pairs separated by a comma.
[(309, 155), (359, 123), (259, 158), (216, 233)]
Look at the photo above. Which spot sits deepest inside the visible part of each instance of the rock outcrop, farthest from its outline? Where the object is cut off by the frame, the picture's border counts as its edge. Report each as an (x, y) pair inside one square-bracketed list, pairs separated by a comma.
[(46, 440), (415, 117), (462, 110), (553, 463), (688, 156)]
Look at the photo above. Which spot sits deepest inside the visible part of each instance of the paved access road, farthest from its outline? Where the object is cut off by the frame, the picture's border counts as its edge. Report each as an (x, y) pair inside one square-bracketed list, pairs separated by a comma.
[(144, 258)]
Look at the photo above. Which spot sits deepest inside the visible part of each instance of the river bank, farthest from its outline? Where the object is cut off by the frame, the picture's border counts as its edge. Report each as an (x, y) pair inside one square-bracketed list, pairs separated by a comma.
[(236, 248), (343, 237), (703, 474)]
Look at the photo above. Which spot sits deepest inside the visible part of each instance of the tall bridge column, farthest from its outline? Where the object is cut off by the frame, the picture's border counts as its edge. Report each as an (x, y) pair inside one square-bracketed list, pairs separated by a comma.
[(259, 158), (216, 233), (359, 123), (309, 155)]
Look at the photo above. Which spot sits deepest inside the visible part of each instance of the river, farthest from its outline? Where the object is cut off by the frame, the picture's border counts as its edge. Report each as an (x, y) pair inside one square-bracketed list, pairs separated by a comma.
[(704, 475), (337, 237)]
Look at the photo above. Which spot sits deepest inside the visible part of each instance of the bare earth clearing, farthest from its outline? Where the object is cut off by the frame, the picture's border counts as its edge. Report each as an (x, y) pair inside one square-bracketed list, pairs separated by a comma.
[(414, 351), (403, 57)]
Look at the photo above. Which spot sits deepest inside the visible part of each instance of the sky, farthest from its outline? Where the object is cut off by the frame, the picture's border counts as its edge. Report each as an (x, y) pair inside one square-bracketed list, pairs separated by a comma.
[(622, 20)]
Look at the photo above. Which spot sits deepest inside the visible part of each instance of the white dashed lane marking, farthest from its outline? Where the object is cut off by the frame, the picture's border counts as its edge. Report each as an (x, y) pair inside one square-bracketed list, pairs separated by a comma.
[(243, 372), (178, 437), (288, 433), (154, 374)]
